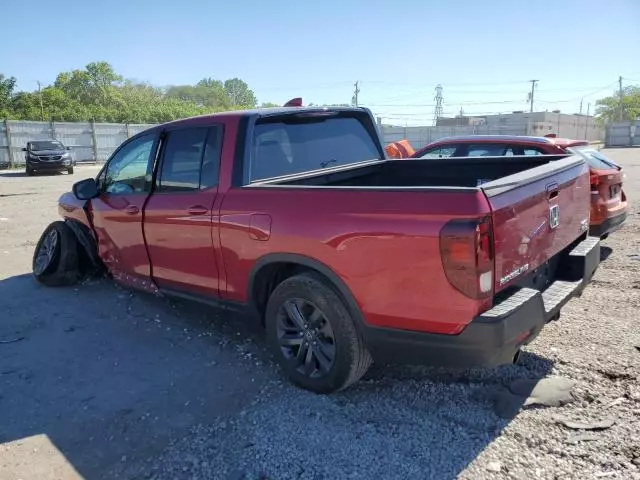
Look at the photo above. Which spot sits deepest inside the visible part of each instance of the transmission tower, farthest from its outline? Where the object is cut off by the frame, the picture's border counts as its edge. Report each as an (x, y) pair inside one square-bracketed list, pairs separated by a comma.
[(437, 112)]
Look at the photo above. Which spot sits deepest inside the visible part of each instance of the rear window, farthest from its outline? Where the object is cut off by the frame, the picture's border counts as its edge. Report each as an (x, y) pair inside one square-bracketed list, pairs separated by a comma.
[(489, 150), (596, 159), (305, 144)]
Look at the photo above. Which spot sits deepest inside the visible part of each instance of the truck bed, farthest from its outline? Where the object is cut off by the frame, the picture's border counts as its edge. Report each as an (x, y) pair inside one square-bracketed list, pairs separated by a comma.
[(523, 194), (462, 172)]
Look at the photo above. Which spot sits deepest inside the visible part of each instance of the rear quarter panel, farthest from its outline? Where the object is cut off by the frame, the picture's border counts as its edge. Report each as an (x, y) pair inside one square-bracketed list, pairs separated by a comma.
[(383, 244)]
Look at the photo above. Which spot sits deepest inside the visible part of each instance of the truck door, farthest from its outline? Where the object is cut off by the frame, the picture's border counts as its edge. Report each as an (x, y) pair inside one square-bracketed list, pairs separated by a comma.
[(124, 185), (179, 217)]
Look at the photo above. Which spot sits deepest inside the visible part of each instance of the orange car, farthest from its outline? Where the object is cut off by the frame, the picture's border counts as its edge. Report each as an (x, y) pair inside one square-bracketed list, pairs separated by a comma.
[(608, 200)]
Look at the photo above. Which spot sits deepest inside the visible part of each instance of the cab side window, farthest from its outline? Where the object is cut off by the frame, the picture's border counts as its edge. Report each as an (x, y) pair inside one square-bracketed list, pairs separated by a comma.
[(127, 170)]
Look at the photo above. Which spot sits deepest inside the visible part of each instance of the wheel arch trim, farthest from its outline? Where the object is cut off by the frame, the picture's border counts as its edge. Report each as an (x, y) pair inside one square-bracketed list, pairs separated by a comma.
[(312, 264)]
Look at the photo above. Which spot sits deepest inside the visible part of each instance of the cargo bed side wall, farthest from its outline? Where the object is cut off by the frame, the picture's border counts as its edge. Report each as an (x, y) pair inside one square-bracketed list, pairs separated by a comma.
[(458, 172)]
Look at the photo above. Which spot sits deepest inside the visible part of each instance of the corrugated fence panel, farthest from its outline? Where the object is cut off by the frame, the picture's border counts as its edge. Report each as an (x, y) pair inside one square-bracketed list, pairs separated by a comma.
[(419, 137), (108, 137), (138, 127), (23, 132), (623, 134), (77, 136), (4, 149)]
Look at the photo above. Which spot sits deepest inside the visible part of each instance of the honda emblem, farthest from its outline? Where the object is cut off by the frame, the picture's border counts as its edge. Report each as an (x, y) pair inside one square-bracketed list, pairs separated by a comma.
[(554, 216)]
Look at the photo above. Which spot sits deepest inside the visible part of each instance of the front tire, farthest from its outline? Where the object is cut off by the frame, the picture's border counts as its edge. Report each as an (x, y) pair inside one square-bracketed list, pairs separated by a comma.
[(55, 259), (314, 337), (70, 170), (30, 172)]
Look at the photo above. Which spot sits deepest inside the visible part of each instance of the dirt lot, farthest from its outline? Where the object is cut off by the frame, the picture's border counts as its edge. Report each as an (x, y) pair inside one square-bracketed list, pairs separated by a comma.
[(100, 382)]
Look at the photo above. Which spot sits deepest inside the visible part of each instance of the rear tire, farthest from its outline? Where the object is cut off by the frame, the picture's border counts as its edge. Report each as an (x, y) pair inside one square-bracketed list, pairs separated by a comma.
[(70, 170), (55, 259), (313, 335)]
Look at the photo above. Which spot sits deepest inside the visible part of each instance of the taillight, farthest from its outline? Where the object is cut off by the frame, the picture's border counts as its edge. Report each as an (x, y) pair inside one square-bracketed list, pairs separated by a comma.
[(594, 179), (466, 250)]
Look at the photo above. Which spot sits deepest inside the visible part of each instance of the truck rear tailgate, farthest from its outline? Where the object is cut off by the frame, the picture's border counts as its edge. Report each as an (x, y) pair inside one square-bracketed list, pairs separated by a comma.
[(536, 214)]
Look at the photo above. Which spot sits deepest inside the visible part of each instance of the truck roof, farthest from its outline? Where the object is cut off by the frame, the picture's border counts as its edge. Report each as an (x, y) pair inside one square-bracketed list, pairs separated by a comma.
[(561, 142), (260, 112)]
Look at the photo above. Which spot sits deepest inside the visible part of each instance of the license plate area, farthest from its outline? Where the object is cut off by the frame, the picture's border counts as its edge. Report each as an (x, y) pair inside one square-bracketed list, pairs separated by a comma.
[(614, 191)]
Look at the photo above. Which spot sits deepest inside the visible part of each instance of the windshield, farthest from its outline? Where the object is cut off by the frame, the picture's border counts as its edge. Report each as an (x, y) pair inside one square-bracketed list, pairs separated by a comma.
[(45, 145), (305, 144), (596, 159)]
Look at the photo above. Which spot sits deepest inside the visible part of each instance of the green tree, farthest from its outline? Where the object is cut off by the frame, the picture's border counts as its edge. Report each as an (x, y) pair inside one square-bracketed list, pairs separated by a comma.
[(98, 93), (608, 108), (239, 93), (7, 87)]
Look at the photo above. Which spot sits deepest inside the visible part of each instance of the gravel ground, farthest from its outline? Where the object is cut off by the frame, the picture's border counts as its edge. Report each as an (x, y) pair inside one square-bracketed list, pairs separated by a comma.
[(106, 383)]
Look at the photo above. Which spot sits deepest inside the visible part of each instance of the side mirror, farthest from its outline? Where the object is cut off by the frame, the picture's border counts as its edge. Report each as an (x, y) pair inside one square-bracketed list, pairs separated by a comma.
[(85, 189), (24, 149), (67, 148)]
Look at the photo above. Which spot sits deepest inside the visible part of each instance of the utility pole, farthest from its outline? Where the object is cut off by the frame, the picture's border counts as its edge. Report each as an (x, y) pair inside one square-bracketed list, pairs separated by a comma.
[(533, 88), (356, 91), (41, 105), (437, 112), (620, 101), (586, 126), (581, 100)]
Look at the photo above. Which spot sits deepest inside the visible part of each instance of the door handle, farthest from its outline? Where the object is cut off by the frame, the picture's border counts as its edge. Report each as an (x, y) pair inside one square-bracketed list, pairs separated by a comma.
[(198, 210), (132, 210)]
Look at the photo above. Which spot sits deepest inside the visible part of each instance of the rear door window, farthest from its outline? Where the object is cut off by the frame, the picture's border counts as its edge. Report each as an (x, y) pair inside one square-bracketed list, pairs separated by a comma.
[(302, 144), (181, 160)]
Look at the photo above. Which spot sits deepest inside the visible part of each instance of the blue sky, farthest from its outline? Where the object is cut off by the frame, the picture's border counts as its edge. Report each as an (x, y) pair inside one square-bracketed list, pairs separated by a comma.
[(482, 52)]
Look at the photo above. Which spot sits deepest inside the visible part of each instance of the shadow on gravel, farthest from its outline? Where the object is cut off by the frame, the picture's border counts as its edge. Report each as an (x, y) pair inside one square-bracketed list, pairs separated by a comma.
[(13, 173), (111, 376), (123, 383), (605, 252)]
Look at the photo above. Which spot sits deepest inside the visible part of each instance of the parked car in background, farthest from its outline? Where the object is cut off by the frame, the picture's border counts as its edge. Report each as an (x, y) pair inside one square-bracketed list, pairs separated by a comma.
[(608, 200), (345, 255), (48, 156)]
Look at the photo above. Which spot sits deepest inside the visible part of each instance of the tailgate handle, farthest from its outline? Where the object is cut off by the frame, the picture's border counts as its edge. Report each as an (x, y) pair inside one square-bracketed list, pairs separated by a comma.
[(552, 190)]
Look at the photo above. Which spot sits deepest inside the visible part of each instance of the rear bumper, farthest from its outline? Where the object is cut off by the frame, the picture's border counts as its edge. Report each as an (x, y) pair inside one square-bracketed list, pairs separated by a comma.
[(494, 337), (608, 225)]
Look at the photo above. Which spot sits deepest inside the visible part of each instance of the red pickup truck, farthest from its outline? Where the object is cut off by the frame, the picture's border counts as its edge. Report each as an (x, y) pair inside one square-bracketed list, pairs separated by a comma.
[(347, 256)]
